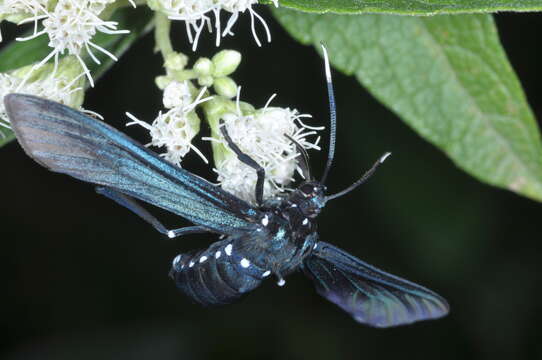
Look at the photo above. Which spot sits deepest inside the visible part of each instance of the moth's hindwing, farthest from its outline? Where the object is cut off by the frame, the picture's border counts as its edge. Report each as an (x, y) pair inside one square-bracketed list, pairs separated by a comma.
[(370, 295)]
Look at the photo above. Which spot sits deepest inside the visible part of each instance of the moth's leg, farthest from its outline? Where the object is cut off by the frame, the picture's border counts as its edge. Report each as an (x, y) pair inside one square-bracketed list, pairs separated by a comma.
[(186, 230), (244, 158), (133, 206)]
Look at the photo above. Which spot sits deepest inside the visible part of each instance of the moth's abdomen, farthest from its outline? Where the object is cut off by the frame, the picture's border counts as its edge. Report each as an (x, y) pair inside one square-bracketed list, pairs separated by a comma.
[(217, 275)]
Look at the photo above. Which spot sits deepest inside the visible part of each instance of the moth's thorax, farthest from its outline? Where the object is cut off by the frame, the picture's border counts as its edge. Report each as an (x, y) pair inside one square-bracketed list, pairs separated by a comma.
[(287, 229)]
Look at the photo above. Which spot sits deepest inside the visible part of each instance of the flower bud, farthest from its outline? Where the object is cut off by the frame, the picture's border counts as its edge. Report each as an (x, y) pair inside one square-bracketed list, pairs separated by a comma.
[(65, 85), (205, 81), (225, 86), (175, 61), (56, 86), (162, 81), (226, 62), (204, 67)]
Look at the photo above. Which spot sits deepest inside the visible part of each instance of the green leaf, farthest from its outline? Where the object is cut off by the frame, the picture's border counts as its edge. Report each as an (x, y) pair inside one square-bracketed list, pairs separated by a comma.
[(21, 53), (410, 7), (7, 136), (445, 76)]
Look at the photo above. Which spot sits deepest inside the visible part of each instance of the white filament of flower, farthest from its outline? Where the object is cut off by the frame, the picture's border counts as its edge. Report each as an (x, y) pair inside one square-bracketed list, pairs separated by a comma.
[(262, 137), (194, 13), (173, 129), (70, 28), (240, 6), (53, 88), (197, 14)]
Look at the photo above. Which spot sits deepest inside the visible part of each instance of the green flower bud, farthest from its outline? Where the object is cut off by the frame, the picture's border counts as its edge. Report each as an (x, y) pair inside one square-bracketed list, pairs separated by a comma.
[(226, 62), (193, 122), (15, 18), (66, 85), (55, 88), (204, 67), (225, 86), (246, 108), (175, 61), (162, 81), (205, 81), (70, 68), (17, 11)]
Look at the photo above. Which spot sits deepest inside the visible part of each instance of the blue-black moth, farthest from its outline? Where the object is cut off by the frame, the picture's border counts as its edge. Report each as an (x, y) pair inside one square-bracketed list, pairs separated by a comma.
[(276, 237)]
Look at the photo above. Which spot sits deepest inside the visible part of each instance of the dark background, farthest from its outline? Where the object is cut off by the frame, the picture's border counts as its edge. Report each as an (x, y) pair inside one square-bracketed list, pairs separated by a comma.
[(83, 278)]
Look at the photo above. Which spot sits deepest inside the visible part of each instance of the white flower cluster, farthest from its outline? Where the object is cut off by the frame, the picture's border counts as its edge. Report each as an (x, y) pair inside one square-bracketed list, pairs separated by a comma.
[(56, 88), (198, 14), (263, 136), (70, 28), (176, 128)]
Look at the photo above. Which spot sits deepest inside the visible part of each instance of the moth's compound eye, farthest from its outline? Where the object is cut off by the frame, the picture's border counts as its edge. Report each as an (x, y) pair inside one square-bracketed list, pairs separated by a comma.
[(307, 189)]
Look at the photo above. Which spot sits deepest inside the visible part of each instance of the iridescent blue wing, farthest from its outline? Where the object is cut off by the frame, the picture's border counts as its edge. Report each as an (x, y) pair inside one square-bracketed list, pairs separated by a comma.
[(67, 141), (371, 296)]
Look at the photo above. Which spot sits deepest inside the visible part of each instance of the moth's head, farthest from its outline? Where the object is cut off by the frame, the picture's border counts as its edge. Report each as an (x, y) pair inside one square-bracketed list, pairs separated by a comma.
[(310, 198)]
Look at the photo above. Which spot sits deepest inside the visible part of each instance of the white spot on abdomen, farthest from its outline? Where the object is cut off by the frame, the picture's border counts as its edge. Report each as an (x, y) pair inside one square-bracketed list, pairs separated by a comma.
[(217, 254), (202, 259), (245, 263), (265, 220), (266, 274)]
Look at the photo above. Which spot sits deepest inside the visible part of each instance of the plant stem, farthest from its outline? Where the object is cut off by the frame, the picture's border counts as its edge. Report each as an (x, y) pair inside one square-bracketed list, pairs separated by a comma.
[(161, 34)]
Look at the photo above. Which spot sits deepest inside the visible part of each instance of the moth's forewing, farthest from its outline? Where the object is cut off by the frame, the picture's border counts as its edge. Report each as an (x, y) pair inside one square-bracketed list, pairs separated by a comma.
[(67, 141)]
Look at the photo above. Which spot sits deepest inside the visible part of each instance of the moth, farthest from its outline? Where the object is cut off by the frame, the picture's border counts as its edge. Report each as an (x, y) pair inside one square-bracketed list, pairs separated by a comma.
[(276, 237)]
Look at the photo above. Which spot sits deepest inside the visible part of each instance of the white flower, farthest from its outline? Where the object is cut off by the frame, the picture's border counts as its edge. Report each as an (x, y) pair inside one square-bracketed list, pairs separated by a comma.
[(195, 14), (240, 180), (186, 10), (198, 14), (263, 136), (176, 128), (71, 27), (177, 94), (240, 6), (53, 87)]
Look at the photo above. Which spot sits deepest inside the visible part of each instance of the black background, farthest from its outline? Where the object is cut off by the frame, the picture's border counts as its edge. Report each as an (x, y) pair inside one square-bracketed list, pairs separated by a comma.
[(83, 278)]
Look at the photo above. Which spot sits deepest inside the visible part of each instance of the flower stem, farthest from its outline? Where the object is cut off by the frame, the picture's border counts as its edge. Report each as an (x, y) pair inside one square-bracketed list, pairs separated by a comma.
[(161, 34)]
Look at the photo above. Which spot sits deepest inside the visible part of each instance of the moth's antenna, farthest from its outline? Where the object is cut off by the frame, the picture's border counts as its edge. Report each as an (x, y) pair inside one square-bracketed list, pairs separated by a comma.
[(361, 180), (332, 116)]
